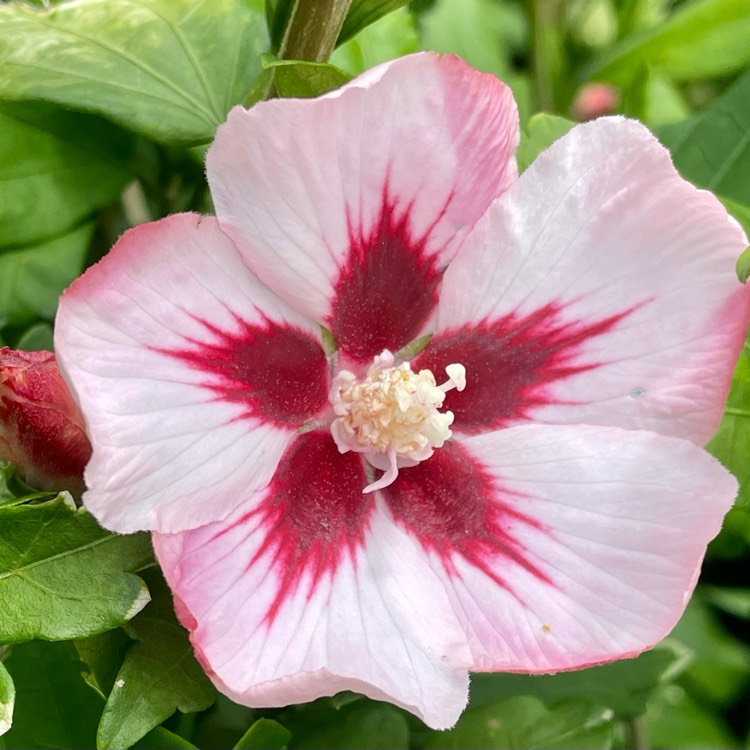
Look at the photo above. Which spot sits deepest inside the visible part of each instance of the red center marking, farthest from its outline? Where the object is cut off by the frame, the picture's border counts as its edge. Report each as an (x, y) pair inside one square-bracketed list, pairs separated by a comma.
[(386, 289), (510, 364), (452, 505), (277, 372)]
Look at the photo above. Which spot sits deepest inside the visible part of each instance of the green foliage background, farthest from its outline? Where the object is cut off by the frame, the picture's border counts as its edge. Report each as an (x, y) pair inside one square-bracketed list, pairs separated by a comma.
[(106, 107)]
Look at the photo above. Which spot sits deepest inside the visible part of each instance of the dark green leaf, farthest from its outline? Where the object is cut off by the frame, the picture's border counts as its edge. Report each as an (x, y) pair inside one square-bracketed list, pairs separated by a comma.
[(712, 148), (264, 734), (103, 655), (541, 131), (63, 576), (7, 699), (278, 16), (362, 13), (300, 79), (159, 675), (525, 722), (32, 277), (703, 39), (731, 443), (160, 738), (169, 69), (14, 491), (56, 168), (55, 708), (624, 686)]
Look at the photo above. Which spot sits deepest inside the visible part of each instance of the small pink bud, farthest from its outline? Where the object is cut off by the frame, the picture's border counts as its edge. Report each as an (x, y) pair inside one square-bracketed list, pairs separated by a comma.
[(41, 427), (595, 100)]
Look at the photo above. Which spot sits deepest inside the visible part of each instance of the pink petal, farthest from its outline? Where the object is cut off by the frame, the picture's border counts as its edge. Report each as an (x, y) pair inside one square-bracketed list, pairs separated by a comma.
[(311, 589), (564, 546), (608, 283), (192, 376), (350, 206)]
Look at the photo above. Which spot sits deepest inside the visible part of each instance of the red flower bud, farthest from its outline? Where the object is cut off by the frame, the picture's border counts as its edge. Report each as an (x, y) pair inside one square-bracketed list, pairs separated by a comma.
[(595, 100), (41, 427)]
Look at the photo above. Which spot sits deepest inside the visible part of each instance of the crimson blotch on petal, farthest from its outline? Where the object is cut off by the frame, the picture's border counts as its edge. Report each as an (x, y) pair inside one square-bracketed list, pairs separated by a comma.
[(528, 493)]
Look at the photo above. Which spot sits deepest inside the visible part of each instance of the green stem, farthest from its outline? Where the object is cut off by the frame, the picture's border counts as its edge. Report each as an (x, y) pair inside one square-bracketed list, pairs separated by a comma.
[(637, 737), (545, 17), (313, 29)]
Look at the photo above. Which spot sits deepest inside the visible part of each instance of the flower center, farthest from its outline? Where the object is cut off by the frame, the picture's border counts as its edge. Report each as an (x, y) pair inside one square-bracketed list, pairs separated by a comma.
[(392, 414)]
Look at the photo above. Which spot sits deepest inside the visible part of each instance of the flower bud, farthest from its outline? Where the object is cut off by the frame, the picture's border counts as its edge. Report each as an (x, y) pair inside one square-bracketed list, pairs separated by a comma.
[(41, 427), (595, 100)]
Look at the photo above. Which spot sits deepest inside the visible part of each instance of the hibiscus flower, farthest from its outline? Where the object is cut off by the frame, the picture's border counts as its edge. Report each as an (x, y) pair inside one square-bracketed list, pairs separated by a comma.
[(396, 414)]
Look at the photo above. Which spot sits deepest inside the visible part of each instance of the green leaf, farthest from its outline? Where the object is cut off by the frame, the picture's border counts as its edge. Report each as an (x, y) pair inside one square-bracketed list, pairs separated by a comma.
[(362, 13), (63, 576), (168, 69), (264, 734), (55, 708), (278, 15), (712, 148), (392, 36), (735, 601), (525, 722), (7, 699), (159, 675), (103, 655), (301, 79), (624, 686), (14, 491), (358, 725), (35, 338), (731, 443), (160, 738), (56, 168), (33, 277), (703, 39), (541, 131)]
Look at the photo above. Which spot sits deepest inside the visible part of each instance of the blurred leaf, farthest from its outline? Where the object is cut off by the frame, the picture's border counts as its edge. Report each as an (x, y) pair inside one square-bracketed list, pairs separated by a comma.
[(624, 686), (525, 722), (541, 131), (301, 79), (392, 36), (159, 675), (33, 277), (63, 576), (14, 491), (734, 601), (655, 99), (35, 338), (359, 725), (731, 443), (7, 699), (264, 734), (56, 168), (160, 738), (55, 708), (362, 13), (712, 148), (168, 69), (675, 721), (720, 667), (702, 39)]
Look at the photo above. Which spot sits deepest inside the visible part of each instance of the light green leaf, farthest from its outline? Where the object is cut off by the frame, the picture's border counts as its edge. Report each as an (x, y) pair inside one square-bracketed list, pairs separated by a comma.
[(541, 131), (56, 168), (731, 443), (160, 738), (703, 39), (63, 576), (735, 601), (712, 148), (524, 722), (159, 675), (392, 36), (54, 708), (32, 277), (168, 69), (624, 686), (36, 338), (362, 13), (7, 699), (264, 734), (302, 79)]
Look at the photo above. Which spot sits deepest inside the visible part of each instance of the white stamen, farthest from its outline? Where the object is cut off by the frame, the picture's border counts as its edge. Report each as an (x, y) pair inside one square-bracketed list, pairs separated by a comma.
[(391, 415)]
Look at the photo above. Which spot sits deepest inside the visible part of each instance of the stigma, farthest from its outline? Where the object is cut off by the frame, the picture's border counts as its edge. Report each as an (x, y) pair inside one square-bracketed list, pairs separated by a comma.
[(392, 415)]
